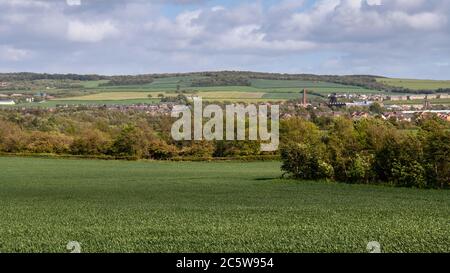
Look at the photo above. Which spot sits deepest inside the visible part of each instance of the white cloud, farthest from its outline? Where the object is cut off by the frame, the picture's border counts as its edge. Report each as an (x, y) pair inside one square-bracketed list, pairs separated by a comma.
[(357, 33), (90, 32), (26, 3), (420, 21), (250, 37), (73, 2), (217, 8), (442, 64), (9, 53)]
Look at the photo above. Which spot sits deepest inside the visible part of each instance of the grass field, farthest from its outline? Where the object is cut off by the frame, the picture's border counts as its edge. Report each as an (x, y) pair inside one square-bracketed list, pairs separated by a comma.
[(416, 84), (261, 90), (115, 206), (230, 95), (54, 103), (120, 96), (220, 93), (159, 84), (117, 96)]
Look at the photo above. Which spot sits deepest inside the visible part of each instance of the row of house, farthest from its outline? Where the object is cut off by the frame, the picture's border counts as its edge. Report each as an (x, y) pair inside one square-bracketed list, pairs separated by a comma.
[(419, 97), (407, 116), (150, 109), (382, 97)]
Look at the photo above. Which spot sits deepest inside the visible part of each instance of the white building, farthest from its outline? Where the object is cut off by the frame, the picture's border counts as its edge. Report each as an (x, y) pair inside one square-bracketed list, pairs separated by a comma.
[(7, 102)]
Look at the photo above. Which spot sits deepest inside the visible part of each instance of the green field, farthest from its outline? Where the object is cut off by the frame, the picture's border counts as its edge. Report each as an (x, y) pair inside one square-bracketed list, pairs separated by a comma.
[(159, 84), (259, 91), (116, 206), (54, 103), (416, 84), (264, 86)]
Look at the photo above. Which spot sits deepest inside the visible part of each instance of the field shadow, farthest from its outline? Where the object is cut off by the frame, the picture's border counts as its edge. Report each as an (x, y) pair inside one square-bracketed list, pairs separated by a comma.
[(266, 178)]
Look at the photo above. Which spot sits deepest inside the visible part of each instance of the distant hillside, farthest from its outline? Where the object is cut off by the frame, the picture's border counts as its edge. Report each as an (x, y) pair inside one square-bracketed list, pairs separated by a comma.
[(240, 78)]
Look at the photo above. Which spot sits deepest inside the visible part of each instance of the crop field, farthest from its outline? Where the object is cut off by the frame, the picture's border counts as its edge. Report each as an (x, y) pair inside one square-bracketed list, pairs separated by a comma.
[(416, 84), (259, 91), (118, 96), (54, 103), (144, 96), (230, 95), (118, 206), (159, 84)]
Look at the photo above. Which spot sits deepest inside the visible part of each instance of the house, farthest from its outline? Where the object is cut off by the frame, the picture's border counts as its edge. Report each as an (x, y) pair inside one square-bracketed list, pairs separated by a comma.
[(444, 116), (7, 102), (396, 98), (397, 116), (360, 104), (443, 96), (359, 115)]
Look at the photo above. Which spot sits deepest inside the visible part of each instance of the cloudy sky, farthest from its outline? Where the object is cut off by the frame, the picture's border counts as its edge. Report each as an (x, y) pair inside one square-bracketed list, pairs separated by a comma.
[(398, 38)]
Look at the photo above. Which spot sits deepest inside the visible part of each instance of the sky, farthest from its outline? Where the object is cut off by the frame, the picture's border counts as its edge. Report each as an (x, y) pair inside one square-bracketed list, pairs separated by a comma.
[(394, 38)]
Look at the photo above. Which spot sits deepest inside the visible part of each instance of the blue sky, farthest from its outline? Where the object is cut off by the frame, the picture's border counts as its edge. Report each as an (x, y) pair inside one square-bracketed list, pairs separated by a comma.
[(396, 38)]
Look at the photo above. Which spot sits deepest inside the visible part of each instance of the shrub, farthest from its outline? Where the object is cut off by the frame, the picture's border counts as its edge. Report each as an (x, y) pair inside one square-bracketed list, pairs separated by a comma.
[(359, 171), (436, 149), (369, 151), (12, 139), (160, 150), (131, 142), (91, 142), (304, 161), (42, 142), (408, 174)]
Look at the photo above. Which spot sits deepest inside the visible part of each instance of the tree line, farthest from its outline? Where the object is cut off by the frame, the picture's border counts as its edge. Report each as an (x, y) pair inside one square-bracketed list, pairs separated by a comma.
[(221, 80), (369, 151), (116, 134), (128, 80)]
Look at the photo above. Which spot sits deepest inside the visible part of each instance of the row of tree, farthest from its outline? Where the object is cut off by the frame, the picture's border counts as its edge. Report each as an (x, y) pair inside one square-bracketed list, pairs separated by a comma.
[(221, 80), (128, 80), (365, 151), (117, 134), (368, 151), (26, 76)]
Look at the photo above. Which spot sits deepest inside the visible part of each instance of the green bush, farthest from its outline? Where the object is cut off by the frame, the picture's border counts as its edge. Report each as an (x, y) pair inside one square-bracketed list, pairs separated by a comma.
[(304, 161), (368, 151)]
